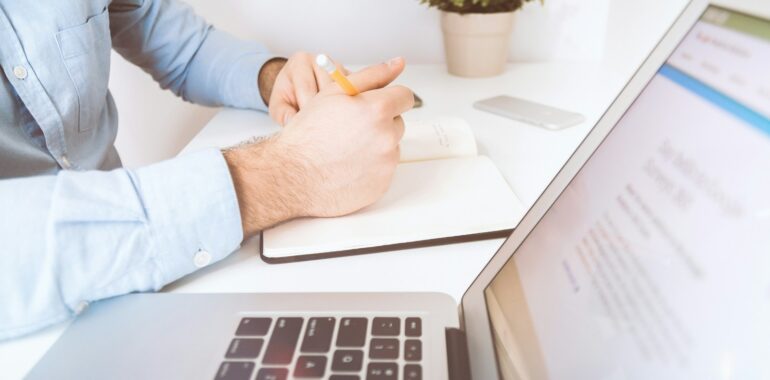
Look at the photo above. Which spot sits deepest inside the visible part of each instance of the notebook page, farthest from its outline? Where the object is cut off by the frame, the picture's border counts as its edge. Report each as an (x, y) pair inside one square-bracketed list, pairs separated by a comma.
[(427, 200), (435, 139)]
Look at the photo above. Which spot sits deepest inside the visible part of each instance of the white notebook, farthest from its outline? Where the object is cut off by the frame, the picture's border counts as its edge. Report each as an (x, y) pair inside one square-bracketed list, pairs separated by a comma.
[(442, 192)]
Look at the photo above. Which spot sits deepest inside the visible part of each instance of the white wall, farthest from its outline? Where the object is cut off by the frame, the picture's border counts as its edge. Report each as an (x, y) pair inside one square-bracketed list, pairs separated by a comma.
[(155, 125)]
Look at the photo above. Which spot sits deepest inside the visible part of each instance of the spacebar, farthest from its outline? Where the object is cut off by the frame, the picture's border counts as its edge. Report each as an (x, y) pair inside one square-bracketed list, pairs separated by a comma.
[(283, 341)]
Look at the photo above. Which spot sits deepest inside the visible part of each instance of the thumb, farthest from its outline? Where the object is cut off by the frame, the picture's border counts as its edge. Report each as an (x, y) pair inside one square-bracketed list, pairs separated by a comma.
[(377, 76)]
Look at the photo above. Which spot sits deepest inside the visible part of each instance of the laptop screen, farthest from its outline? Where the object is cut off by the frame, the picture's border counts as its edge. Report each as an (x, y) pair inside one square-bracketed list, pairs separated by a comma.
[(655, 260)]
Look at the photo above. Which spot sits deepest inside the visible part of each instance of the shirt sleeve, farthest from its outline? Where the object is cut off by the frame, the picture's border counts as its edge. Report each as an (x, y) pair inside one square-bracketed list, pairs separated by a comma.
[(78, 237), (187, 55)]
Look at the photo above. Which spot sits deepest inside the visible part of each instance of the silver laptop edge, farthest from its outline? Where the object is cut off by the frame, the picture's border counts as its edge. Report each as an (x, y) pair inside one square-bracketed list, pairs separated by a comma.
[(185, 336)]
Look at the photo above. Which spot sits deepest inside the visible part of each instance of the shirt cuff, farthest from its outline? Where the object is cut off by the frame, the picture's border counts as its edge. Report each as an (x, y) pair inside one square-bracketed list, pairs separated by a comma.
[(198, 223), (242, 90), (234, 65)]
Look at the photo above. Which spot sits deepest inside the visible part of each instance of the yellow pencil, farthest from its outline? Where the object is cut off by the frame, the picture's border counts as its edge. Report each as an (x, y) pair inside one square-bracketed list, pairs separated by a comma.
[(325, 63)]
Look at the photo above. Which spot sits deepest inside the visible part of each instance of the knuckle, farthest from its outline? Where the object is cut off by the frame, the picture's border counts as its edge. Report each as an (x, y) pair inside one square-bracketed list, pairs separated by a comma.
[(391, 144), (395, 139), (395, 157), (307, 86), (403, 92), (399, 134), (410, 96), (379, 108), (399, 123), (384, 145)]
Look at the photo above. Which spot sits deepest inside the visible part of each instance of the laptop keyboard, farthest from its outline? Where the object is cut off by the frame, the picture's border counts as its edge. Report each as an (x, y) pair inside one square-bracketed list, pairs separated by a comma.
[(348, 348)]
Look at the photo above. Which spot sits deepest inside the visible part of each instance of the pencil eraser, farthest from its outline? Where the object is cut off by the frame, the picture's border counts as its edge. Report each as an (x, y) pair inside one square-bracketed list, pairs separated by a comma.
[(325, 63)]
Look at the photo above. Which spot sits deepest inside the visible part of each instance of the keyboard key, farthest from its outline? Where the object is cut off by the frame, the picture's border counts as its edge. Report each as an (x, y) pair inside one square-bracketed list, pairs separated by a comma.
[(344, 377), (386, 326), (352, 332), (310, 366), (348, 360), (382, 371), (253, 326), (412, 350), (413, 327), (383, 349), (244, 348), (412, 372), (280, 348), (235, 371), (318, 335), (273, 374)]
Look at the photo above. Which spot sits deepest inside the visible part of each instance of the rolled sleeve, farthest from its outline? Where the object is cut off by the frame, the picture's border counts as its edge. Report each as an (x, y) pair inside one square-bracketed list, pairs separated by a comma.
[(200, 217), (232, 66), (78, 237), (186, 54)]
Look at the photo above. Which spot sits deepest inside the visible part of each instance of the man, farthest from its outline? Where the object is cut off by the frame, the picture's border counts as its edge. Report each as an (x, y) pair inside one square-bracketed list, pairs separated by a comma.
[(75, 228)]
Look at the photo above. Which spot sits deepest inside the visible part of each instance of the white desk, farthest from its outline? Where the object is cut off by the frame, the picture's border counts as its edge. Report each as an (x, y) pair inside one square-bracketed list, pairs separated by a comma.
[(528, 157)]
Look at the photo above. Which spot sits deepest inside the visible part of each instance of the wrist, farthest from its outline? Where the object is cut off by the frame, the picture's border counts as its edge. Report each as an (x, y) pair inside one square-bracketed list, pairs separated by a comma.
[(267, 75), (269, 183)]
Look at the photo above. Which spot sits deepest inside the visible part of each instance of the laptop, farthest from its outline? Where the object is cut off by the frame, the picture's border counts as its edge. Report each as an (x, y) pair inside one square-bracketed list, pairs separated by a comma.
[(646, 257)]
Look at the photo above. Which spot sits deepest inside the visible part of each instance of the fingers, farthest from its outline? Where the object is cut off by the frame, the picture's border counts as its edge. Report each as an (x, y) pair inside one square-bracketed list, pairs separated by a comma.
[(307, 78), (282, 111), (305, 86), (391, 101), (377, 76), (322, 77)]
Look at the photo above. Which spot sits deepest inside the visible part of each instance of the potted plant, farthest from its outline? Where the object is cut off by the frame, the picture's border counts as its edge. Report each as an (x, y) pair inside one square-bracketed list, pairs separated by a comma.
[(476, 34)]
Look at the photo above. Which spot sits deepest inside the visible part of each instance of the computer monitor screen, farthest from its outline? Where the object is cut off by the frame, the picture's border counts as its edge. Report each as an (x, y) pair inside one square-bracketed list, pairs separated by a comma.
[(654, 262)]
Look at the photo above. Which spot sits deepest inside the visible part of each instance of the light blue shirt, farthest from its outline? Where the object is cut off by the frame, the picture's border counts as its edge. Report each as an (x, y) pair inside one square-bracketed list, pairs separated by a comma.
[(74, 227)]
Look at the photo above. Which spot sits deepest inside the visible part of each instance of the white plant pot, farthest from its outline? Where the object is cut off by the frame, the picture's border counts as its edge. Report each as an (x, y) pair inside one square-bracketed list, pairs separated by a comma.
[(476, 44)]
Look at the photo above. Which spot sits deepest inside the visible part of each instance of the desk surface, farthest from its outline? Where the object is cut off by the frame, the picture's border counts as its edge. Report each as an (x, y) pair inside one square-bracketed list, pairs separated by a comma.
[(527, 156)]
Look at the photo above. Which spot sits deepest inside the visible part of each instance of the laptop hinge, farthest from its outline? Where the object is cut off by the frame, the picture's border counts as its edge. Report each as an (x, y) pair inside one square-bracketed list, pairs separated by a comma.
[(457, 355)]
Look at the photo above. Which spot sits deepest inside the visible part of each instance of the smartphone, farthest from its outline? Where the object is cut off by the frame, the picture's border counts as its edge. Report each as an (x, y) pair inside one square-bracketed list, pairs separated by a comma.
[(530, 112)]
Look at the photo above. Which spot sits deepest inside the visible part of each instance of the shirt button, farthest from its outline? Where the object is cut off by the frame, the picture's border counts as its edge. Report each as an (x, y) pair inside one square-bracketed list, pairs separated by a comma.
[(201, 258), (20, 72), (82, 305), (65, 162)]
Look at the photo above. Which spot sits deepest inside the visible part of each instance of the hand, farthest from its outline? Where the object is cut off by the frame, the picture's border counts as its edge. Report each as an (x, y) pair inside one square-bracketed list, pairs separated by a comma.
[(335, 156), (297, 82)]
